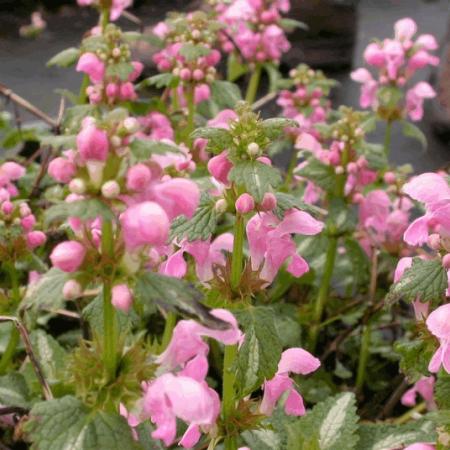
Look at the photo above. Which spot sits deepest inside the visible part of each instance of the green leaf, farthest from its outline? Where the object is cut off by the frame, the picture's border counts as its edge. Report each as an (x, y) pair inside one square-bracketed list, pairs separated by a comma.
[(425, 279), (66, 141), (161, 80), (388, 437), (225, 94), (121, 70), (375, 155), (84, 209), (235, 69), (65, 423), (219, 139), (66, 58), (50, 354), (274, 128), (290, 24), (134, 36), (201, 225), (319, 173), (331, 425), (414, 358), (143, 149), (192, 52), (260, 353), (341, 219), (47, 291), (288, 201), (262, 439), (389, 96), (74, 115), (14, 391), (413, 131), (173, 294), (370, 123), (274, 76), (441, 390), (257, 177)]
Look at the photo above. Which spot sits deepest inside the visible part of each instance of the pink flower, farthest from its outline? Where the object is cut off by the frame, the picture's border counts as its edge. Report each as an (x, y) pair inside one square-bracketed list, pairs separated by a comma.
[(432, 190), (438, 323), (368, 89), (373, 54), (187, 342), (62, 169), (294, 360), (11, 171), (420, 446), (92, 143), (219, 167), (122, 298), (394, 55), (223, 119), (91, 65), (271, 244), (274, 42), (245, 203), (405, 29), (424, 387), (170, 397), (415, 98), (138, 177), (144, 224), (68, 256), (35, 239), (117, 7)]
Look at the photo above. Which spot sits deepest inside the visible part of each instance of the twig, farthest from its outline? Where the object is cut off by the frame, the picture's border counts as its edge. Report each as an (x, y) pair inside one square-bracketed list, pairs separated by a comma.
[(132, 18), (12, 410), (17, 99), (29, 349), (42, 172), (61, 110), (63, 312), (393, 400), (263, 100)]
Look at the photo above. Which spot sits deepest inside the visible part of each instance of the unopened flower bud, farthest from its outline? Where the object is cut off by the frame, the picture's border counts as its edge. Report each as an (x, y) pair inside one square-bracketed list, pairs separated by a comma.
[(221, 205), (352, 167), (253, 149), (269, 202), (185, 74), (446, 261), (24, 210), (7, 207), (389, 177), (122, 298), (68, 256), (244, 203), (131, 125), (116, 141), (196, 34), (434, 241), (198, 74), (111, 189), (339, 170), (77, 186), (358, 198), (116, 52), (72, 290), (35, 239)]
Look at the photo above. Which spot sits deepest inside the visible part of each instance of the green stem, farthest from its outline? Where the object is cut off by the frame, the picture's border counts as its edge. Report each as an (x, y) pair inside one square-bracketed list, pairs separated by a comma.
[(319, 304), (238, 252), (410, 414), (171, 321), (14, 337), (290, 170), (110, 332), (191, 111), (104, 18), (228, 392), (387, 138), (82, 96), (253, 84), (363, 356)]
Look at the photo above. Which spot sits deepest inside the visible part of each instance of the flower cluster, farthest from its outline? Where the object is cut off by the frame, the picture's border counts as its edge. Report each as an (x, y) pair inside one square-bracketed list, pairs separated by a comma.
[(254, 29), (117, 7), (397, 60)]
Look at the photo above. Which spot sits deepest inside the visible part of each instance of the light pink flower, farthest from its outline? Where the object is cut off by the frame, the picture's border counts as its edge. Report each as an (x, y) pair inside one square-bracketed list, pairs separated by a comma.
[(219, 167), (368, 89), (68, 256), (122, 298), (62, 169), (117, 8), (438, 323), (91, 65), (138, 177), (294, 360), (405, 29), (92, 143), (35, 239), (144, 224), (170, 397), (424, 387), (271, 244), (415, 98), (420, 446)]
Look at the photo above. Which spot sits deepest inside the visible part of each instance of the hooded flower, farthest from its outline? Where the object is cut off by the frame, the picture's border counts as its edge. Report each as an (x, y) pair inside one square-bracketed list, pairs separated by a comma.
[(294, 360), (424, 387), (415, 98), (438, 323), (271, 244)]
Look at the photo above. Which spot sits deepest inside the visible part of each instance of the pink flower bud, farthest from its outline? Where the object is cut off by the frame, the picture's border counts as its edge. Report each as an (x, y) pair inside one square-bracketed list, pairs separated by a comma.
[(446, 261), (374, 55), (28, 222), (35, 239), (138, 67), (434, 241), (389, 178), (198, 74), (221, 205), (122, 298), (62, 170), (91, 65), (72, 290), (68, 256), (12, 170), (127, 91), (269, 202), (7, 207), (112, 90), (92, 143), (24, 210), (144, 224), (352, 167), (138, 177), (77, 186), (111, 189), (358, 198), (244, 203), (131, 125), (265, 160), (185, 74), (219, 166), (339, 170)]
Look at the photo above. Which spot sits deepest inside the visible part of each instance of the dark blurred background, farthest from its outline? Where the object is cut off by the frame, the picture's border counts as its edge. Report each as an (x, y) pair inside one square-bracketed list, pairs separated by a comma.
[(338, 32)]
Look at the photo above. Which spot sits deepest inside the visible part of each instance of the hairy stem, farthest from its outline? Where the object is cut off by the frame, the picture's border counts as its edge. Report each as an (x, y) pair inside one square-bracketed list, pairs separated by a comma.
[(110, 336), (253, 84), (238, 252), (410, 414), (228, 392), (319, 304), (191, 111)]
